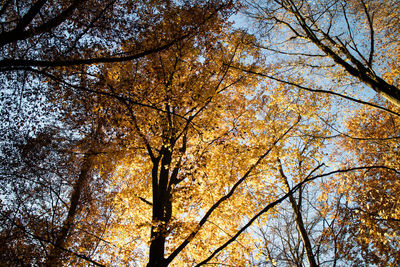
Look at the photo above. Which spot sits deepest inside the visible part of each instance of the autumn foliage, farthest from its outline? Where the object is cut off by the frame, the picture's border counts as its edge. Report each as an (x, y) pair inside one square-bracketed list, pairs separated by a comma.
[(162, 133)]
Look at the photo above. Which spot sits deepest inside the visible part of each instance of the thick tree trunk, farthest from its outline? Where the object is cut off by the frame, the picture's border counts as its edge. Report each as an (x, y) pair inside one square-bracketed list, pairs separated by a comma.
[(157, 246), (162, 209)]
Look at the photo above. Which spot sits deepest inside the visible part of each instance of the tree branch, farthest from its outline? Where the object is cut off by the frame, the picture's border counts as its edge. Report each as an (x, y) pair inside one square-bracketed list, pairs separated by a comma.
[(319, 90)]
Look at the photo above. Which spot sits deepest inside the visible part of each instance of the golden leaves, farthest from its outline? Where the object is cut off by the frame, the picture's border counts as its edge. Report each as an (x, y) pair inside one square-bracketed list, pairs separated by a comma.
[(372, 206)]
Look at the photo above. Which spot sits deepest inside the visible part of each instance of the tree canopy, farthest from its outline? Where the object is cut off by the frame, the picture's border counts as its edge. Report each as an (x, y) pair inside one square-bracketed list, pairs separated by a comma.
[(164, 133)]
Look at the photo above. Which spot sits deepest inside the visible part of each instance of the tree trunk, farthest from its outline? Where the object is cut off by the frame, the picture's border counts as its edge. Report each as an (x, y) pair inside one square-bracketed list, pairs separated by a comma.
[(303, 232), (54, 256), (162, 209), (299, 221)]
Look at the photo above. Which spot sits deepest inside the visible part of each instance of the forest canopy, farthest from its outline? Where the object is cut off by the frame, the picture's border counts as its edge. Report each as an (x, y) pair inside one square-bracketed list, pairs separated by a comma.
[(204, 132)]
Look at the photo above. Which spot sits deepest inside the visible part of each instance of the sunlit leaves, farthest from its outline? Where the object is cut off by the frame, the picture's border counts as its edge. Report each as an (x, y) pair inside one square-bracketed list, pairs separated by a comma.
[(370, 212)]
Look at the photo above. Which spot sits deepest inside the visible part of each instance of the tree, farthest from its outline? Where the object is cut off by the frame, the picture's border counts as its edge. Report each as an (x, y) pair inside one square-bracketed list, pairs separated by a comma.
[(49, 183), (340, 38), (296, 207), (333, 43), (73, 119), (370, 212), (297, 233), (192, 110)]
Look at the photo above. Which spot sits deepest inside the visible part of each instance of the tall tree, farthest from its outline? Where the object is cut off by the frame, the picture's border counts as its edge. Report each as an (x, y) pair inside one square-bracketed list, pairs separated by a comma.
[(186, 109), (44, 188), (295, 234), (369, 209), (340, 38), (170, 21)]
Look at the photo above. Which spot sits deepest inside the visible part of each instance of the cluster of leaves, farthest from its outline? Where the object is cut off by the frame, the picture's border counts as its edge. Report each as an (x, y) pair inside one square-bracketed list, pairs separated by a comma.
[(369, 206)]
